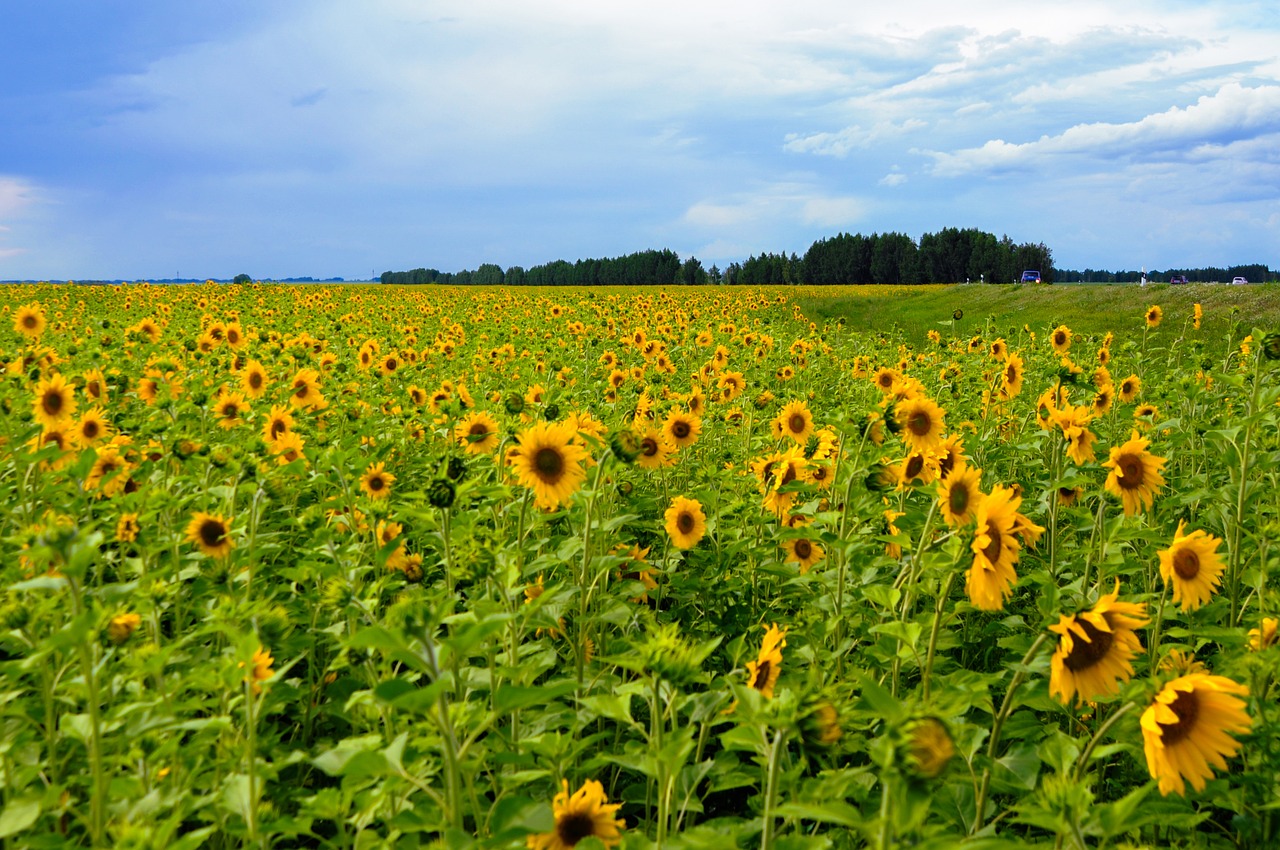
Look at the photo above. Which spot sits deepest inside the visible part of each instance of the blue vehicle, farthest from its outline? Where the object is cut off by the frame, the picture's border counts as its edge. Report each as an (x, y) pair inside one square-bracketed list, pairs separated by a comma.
[(1031, 276)]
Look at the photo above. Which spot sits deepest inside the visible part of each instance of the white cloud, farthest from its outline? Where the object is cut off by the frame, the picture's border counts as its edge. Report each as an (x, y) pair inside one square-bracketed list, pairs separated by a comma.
[(842, 142), (790, 202), (16, 194), (893, 178), (1234, 113)]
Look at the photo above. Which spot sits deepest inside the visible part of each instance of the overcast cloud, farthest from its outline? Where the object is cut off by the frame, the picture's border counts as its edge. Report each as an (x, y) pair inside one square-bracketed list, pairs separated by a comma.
[(325, 138)]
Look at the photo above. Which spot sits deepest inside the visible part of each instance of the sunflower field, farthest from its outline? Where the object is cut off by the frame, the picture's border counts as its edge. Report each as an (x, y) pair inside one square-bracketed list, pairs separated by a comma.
[(350, 566)]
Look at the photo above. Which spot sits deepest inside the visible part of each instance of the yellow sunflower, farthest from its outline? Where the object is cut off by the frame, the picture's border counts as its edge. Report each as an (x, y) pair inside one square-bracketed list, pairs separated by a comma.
[(921, 423), (211, 534), (929, 747), (762, 674), (92, 427), (254, 379), (794, 421), (228, 407), (55, 400), (109, 473), (288, 447), (95, 385), (376, 481), (548, 461), (1011, 377), (261, 671), (29, 320), (685, 522), (1187, 730), (1265, 636), (305, 389), (990, 578), (804, 552), (279, 422), (1060, 339), (1154, 315), (959, 494), (1096, 649), (585, 814), (1135, 474), (681, 429), (654, 450), (1130, 388), (1192, 565), (477, 433)]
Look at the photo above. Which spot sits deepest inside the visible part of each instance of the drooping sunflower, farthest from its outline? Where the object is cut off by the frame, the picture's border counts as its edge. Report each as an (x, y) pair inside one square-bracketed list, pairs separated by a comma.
[(804, 552), (959, 494), (254, 379), (376, 481), (55, 400), (1187, 730), (681, 428), (1265, 636), (929, 747), (1192, 565), (477, 433), (1135, 474), (685, 522), (109, 473), (921, 423), (762, 674), (211, 534), (1096, 649), (29, 320), (585, 814), (794, 421), (1154, 316), (548, 461), (991, 576)]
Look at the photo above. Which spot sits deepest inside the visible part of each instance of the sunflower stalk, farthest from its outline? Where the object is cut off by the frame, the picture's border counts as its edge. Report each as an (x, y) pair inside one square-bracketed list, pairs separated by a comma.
[(1082, 763), (1235, 557), (773, 766), (88, 668)]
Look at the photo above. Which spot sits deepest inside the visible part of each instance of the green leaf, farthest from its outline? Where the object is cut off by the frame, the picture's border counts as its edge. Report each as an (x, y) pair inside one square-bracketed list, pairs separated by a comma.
[(512, 697), (835, 811), (18, 815)]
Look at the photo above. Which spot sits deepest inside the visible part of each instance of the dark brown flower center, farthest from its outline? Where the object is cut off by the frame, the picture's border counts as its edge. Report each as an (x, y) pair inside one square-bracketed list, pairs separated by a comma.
[(1186, 563), (212, 532), (958, 498), (278, 427), (29, 321), (919, 423), (915, 465), (995, 544), (1059, 339), (1187, 707), (797, 423), (549, 464), (478, 430), (1010, 374), (1131, 471), (803, 549), (52, 402), (376, 483), (649, 447), (1089, 650), (680, 429), (685, 522), (90, 429), (761, 679), (255, 380)]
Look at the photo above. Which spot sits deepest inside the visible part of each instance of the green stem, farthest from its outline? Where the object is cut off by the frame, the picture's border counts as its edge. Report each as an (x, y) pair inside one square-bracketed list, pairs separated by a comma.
[(98, 789), (937, 627), (772, 768), (1082, 763)]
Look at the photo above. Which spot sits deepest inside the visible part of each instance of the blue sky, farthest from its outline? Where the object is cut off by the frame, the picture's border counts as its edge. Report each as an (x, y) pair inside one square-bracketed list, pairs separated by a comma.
[(144, 138)]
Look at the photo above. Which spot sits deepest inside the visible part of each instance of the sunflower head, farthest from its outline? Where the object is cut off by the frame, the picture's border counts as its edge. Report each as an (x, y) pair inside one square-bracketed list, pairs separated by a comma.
[(1187, 729)]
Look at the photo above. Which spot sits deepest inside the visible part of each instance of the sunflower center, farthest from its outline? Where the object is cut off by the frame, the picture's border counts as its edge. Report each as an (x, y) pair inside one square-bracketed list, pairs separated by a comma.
[(1059, 339), (391, 364), (796, 423), (549, 464), (230, 410), (685, 522), (278, 427), (376, 483), (1010, 374), (915, 465), (649, 447), (680, 429), (995, 544), (1187, 707), (52, 402), (788, 476), (29, 321), (90, 429), (478, 430), (255, 380), (1131, 472), (803, 549), (212, 532), (1186, 563), (1090, 650), (762, 675), (958, 498)]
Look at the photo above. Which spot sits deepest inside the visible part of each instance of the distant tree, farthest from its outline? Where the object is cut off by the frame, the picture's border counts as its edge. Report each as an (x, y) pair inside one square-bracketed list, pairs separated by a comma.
[(242, 279), (487, 275), (691, 273)]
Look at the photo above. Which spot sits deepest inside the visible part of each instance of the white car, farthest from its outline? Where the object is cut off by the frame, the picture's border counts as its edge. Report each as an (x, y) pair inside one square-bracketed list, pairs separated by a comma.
[(1237, 281)]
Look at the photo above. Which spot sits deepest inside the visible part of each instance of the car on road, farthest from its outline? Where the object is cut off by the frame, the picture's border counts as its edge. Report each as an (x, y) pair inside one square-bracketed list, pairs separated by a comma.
[(1031, 276), (1238, 281), (1178, 278)]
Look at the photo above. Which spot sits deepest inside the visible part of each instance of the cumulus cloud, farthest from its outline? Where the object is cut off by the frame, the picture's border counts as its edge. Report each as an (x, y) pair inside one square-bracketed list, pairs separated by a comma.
[(842, 142), (1233, 114), (784, 201)]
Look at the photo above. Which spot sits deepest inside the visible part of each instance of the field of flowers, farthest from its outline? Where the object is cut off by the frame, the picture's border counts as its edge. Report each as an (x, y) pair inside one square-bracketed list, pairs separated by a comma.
[(475, 568)]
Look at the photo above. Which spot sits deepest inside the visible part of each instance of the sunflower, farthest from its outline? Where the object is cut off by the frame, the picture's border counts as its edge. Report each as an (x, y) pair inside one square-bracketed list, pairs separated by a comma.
[(774, 472), (389, 364), (1130, 388), (228, 407), (122, 626), (288, 447), (1187, 729), (762, 674), (999, 349), (654, 450), (930, 747), (55, 400), (1102, 399), (1060, 339), (1192, 566), (92, 427), (958, 495), (211, 534), (685, 522), (261, 671), (885, 379), (548, 461), (990, 578), (477, 433), (279, 422), (921, 423), (1135, 474), (1197, 315), (804, 552), (1011, 377), (95, 385), (376, 481), (254, 379), (1096, 649), (586, 814), (1263, 637), (681, 429), (29, 320), (305, 389), (109, 473), (918, 468), (1154, 315), (794, 421)]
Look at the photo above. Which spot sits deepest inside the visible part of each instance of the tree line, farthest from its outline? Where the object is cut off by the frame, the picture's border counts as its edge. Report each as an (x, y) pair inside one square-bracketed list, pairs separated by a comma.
[(950, 256), (1252, 272)]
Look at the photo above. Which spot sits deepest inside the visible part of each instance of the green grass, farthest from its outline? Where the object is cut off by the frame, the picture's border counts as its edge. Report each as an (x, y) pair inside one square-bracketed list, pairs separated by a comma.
[(1090, 310)]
